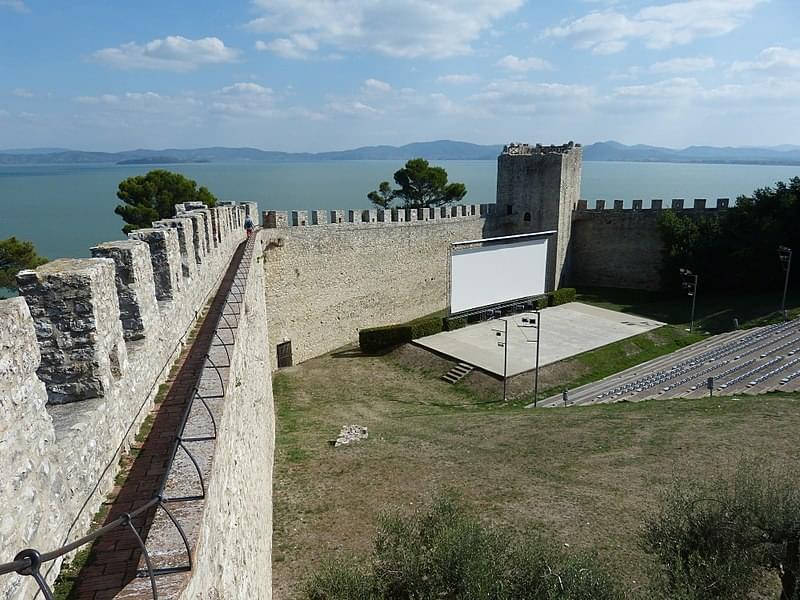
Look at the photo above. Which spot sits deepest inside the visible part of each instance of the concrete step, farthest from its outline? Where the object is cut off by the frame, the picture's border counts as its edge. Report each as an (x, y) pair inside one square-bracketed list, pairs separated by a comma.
[(458, 372)]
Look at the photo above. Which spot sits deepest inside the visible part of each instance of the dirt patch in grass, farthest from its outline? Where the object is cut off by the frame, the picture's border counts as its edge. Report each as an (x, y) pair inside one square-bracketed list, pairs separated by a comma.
[(583, 476)]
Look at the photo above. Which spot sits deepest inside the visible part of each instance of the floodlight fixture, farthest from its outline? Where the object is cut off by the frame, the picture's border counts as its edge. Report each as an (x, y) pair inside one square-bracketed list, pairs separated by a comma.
[(785, 256), (690, 285)]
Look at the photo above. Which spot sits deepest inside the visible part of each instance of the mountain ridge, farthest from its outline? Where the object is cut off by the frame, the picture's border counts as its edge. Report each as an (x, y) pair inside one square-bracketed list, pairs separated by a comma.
[(435, 150)]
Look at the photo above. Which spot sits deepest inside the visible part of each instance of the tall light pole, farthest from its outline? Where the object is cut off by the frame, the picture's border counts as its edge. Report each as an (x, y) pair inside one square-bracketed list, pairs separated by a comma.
[(690, 285), (785, 256), (504, 345), (535, 322)]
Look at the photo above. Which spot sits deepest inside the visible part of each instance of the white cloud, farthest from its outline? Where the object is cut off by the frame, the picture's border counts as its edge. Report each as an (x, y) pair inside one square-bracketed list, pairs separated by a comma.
[(376, 86), (523, 97), (15, 5), (523, 65), (296, 46), (684, 65), (657, 26), (774, 58), (4, 113), (398, 28), (458, 79), (352, 108), (22, 93), (173, 53), (679, 93)]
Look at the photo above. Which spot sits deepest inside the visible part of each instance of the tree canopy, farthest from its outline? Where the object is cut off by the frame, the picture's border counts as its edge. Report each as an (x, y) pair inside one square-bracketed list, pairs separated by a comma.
[(421, 186), (735, 249), (16, 255), (153, 196)]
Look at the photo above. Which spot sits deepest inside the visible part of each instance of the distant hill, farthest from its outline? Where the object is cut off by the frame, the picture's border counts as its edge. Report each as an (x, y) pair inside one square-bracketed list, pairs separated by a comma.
[(614, 151), (437, 150)]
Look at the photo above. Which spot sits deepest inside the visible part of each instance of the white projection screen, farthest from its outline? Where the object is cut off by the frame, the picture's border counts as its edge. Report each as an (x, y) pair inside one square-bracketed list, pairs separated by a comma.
[(497, 272)]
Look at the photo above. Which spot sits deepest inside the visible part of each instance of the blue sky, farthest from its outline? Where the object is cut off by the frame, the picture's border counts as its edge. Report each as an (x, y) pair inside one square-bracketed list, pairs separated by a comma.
[(306, 75)]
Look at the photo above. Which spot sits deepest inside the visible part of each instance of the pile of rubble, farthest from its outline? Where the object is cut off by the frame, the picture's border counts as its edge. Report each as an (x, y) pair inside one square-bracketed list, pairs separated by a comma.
[(350, 434)]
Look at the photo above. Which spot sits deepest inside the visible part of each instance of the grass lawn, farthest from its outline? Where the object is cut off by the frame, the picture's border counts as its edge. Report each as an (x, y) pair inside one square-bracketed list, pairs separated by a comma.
[(585, 477), (714, 312)]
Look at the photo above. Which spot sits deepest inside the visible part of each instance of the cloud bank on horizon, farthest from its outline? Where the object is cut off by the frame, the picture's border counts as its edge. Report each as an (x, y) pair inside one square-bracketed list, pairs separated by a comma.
[(315, 75)]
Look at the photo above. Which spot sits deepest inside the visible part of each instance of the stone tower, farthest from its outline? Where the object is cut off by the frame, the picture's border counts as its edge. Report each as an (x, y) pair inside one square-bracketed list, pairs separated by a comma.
[(537, 189)]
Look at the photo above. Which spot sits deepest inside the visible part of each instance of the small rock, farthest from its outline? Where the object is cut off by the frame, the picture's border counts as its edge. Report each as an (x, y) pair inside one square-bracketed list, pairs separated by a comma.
[(350, 434)]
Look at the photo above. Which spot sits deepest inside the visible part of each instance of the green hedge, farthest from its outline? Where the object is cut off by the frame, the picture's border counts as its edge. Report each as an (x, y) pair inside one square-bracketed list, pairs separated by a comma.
[(375, 339), (456, 323), (542, 303), (562, 296)]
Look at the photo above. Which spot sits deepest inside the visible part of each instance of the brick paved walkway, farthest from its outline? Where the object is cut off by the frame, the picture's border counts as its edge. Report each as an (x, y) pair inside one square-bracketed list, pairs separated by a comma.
[(115, 557)]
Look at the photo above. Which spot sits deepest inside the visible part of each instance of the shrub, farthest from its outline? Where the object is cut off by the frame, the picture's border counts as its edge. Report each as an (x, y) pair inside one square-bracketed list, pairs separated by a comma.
[(376, 339), (426, 326), (455, 323), (445, 552), (542, 303), (562, 296), (714, 538)]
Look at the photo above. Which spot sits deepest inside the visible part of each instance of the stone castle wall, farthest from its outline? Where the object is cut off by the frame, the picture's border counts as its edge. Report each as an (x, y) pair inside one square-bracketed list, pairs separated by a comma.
[(82, 351), (621, 247), (325, 282), (234, 546)]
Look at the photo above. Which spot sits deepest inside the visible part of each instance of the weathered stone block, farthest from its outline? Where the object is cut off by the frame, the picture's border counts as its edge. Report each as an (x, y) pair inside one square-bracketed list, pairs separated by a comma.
[(384, 216), (618, 204), (353, 216), (198, 237), (19, 350), (299, 218), (165, 256), (723, 202), (656, 203), (186, 241), (637, 205), (699, 203), (275, 218), (337, 216), (582, 205), (319, 217), (411, 214), (399, 215), (74, 306), (677, 204), (135, 286), (600, 204)]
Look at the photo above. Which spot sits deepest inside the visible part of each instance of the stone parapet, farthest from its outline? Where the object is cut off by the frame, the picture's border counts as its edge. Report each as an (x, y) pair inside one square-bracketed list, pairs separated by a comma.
[(82, 353), (389, 217), (699, 204), (135, 285), (75, 307), (165, 256)]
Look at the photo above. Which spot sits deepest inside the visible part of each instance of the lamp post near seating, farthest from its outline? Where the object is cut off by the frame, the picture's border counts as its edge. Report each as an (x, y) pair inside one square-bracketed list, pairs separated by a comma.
[(534, 322), (785, 256), (504, 344), (690, 285)]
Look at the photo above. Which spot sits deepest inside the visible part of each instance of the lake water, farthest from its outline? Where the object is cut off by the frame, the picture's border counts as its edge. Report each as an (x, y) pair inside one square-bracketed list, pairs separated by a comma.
[(66, 209)]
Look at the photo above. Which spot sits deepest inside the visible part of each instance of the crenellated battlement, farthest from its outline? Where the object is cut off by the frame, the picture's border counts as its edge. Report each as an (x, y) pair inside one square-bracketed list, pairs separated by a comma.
[(274, 219), (655, 204), (83, 350), (515, 149)]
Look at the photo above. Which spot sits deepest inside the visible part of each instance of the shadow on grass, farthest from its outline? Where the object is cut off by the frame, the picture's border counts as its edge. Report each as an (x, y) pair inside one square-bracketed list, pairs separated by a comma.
[(714, 312)]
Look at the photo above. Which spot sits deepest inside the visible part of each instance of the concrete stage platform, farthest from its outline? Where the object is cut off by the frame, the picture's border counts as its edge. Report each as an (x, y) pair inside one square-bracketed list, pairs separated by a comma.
[(567, 330)]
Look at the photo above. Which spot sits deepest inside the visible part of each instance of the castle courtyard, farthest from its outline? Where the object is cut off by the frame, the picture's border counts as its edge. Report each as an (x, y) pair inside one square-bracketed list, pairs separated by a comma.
[(586, 477)]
